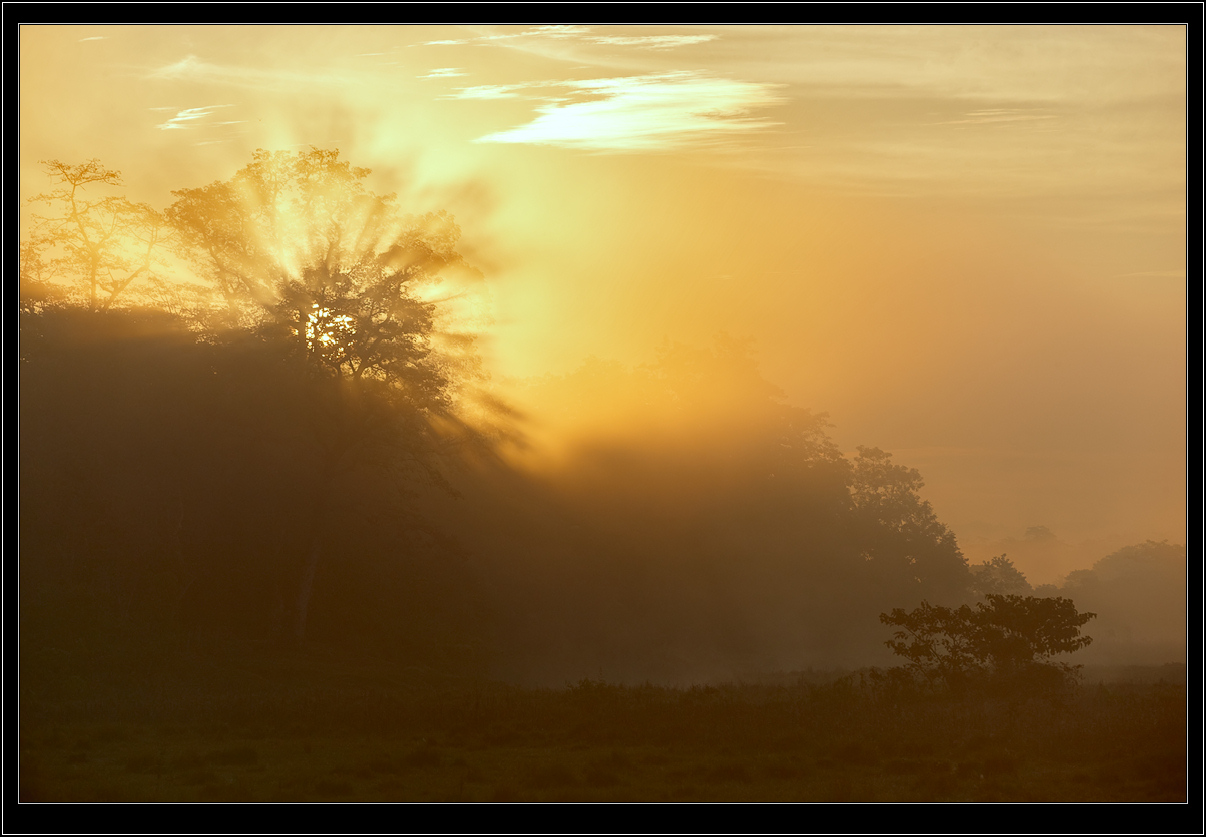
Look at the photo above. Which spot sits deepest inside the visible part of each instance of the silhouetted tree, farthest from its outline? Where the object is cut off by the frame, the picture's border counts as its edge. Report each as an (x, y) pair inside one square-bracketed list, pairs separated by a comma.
[(94, 245), (293, 378), (1140, 595), (998, 575), (339, 288), (1007, 636), (905, 547)]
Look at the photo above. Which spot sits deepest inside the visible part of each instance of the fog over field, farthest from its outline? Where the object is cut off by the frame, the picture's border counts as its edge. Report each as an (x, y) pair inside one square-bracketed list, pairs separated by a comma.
[(635, 353)]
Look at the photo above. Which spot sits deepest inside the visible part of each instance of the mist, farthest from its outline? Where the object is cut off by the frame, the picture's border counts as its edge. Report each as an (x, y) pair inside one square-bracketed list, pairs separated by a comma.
[(687, 525), (506, 365)]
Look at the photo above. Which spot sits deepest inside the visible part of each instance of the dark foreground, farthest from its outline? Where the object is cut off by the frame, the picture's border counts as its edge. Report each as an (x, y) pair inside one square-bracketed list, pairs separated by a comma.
[(319, 727)]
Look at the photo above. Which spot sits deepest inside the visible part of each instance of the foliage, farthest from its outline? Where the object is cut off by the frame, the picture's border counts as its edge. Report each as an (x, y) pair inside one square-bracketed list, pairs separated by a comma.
[(904, 545), (1140, 592), (298, 380), (302, 257), (269, 422), (296, 248), (998, 575), (95, 246), (1008, 636)]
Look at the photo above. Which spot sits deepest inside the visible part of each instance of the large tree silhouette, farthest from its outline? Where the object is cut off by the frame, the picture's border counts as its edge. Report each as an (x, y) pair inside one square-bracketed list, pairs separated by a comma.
[(340, 289), (286, 390)]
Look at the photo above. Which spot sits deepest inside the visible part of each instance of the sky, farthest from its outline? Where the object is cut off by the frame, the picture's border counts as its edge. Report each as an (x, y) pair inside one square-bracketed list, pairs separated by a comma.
[(967, 245)]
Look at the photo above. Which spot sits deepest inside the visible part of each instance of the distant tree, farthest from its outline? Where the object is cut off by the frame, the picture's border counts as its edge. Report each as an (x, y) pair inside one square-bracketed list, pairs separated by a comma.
[(1040, 534), (1010, 637), (998, 575), (1140, 592), (91, 245)]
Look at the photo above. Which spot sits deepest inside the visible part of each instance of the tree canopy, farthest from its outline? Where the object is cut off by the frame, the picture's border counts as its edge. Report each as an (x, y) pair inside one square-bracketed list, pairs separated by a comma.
[(999, 575), (296, 247), (1008, 636), (86, 244), (900, 537), (321, 378)]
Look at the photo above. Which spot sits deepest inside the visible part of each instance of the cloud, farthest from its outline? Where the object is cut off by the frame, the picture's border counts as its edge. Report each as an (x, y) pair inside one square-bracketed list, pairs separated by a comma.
[(652, 41), (445, 72), (642, 113), (581, 34), (188, 67), (495, 91), (95, 38), (557, 31), (192, 68), (990, 116), (184, 118)]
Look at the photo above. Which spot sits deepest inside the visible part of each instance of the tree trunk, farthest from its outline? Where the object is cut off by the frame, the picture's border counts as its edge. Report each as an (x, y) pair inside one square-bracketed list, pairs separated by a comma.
[(323, 492), (304, 589)]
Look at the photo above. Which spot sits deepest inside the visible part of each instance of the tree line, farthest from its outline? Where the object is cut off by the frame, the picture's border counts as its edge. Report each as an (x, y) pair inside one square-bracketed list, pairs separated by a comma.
[(247, 416)]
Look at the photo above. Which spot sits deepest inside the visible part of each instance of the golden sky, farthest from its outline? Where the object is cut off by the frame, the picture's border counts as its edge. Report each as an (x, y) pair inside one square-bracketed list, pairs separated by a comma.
[(966, 244)]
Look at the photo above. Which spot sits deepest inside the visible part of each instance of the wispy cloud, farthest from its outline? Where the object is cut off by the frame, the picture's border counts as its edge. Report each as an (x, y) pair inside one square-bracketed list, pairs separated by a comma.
[(639, 113), (188, 67), (991, 116), (556, 31), (95, 38), (445, 72), (192, 68), (583, 34), (652, 41), (185, 118), (496, 91)]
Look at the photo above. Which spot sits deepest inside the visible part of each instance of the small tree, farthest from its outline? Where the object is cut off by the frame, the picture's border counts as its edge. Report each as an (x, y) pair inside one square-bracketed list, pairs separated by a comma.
[(938, 642), (1009, 637)]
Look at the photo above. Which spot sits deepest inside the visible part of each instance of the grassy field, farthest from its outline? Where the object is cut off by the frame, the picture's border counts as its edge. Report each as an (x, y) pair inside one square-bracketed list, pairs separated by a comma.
[(260, 727)]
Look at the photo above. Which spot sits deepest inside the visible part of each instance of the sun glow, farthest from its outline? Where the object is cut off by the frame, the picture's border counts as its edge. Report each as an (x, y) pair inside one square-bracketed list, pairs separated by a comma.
[(325, 330), (911, 222)]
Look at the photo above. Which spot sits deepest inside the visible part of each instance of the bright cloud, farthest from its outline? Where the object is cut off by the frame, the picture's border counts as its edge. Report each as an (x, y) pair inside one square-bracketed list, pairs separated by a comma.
[(643, 113), (652, 41), (493, 91), (558, 31), (445, 72), (184, 118), (188, 67), (582, 34)]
